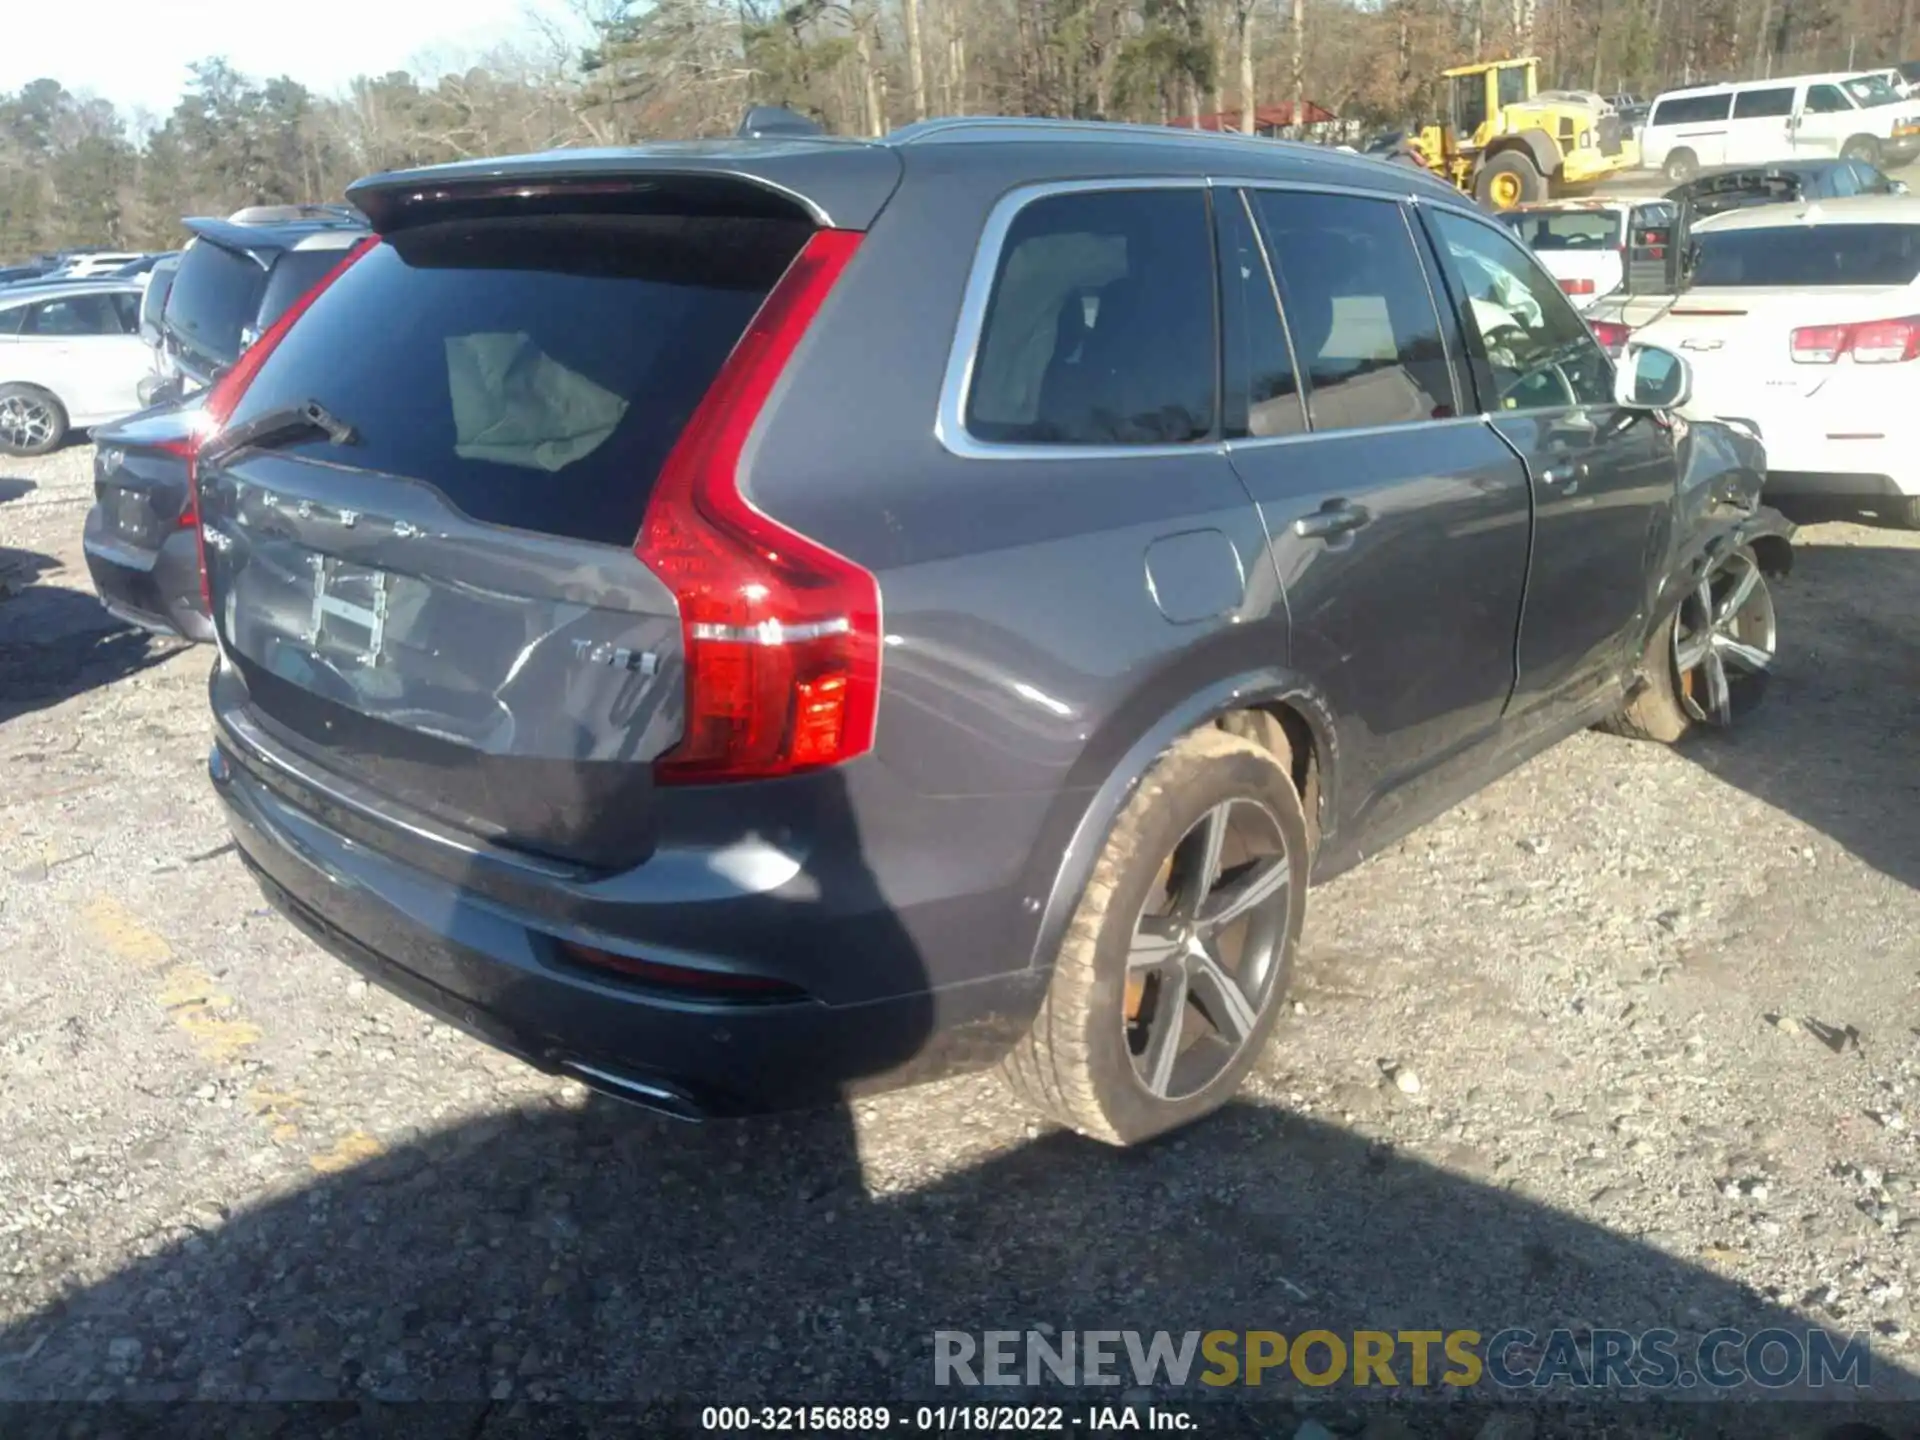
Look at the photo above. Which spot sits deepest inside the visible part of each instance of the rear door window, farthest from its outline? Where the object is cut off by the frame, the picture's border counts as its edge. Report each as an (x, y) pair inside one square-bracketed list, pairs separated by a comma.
[(74, 315), (1358, 309), (1262, 396), (1099, 330), (1763, 104), (536, 371), (1691, 110), (1790, 255), (216, 294)]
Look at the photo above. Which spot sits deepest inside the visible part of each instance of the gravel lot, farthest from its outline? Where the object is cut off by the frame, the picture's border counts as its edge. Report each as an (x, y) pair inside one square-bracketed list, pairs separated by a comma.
[(232, 1171)]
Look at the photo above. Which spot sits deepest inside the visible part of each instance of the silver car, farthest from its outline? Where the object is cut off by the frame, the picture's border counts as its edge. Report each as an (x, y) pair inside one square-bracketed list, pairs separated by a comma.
[(71, 357)]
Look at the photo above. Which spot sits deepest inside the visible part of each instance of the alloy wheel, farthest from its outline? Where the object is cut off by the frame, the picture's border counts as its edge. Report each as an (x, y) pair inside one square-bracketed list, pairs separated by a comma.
[(1206, 950), (1723, 634), (25, 422)]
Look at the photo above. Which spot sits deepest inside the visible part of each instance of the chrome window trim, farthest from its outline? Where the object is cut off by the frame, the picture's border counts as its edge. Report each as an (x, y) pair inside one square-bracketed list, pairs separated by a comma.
[(950, 425)]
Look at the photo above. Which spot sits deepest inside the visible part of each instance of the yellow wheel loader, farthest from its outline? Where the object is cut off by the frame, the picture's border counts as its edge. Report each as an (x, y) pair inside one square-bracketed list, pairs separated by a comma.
[(1506, 142)]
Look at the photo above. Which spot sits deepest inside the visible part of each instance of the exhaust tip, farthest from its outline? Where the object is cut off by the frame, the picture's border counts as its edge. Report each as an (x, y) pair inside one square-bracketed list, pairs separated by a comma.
[(654, 1095)]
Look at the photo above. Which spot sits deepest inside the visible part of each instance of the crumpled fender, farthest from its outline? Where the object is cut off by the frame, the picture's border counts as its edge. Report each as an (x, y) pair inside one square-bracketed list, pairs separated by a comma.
[(1722, 466)]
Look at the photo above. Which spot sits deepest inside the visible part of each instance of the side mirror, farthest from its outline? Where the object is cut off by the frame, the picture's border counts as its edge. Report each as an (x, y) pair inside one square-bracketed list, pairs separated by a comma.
[(248, 334), (1897, 187), (1648, 378)]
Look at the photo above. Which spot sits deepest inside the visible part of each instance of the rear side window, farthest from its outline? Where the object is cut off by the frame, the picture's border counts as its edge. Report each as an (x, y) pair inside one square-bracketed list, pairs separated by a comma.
[(216, 294), (1358, 308), (1763, 104), (1809, 255), (535, 370), (1691, 110), (11, 320), (1099, 330)]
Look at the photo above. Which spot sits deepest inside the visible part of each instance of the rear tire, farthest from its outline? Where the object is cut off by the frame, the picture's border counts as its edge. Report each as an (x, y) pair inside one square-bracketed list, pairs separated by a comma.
[(1862, 149), (1127, 1043), (1509, 179), (1682, 165), (32, 422)]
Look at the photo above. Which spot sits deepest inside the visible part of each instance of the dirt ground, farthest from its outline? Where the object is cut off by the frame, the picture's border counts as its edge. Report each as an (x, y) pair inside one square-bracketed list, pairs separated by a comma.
[(1661, 1006)]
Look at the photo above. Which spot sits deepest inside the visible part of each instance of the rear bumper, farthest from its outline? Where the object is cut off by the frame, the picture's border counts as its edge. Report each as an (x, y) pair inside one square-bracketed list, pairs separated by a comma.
[(492, 970), (158, 590)]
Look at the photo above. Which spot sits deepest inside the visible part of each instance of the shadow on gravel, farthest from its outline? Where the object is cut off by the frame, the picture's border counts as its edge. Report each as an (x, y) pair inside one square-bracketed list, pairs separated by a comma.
[(57, 642), (12, 489), (601, 1254), (1836, 743)]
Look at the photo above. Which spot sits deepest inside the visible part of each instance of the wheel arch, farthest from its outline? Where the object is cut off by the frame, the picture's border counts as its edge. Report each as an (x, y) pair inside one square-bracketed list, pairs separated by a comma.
[(1270, 705), (1766, 531)]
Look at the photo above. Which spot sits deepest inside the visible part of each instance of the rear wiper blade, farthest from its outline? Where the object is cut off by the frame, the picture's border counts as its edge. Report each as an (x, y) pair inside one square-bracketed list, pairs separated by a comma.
[(275, 426)]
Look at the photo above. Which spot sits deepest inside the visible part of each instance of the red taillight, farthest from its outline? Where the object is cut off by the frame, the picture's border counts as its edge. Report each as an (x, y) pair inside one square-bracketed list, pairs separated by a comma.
[(782, 636), (1611, 334), (1873, 342), (225, 395), (1577, 287), (190, 513)]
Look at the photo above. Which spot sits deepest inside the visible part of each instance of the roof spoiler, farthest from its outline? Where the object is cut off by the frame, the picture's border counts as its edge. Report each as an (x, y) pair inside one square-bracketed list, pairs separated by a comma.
[(768, 121)]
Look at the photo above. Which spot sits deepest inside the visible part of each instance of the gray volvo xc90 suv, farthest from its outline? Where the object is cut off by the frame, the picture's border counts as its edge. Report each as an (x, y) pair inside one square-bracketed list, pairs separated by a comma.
[(745, 622)]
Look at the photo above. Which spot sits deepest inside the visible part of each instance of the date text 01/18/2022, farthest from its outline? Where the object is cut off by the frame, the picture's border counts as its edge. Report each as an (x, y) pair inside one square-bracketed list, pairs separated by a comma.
[(940, 1419)]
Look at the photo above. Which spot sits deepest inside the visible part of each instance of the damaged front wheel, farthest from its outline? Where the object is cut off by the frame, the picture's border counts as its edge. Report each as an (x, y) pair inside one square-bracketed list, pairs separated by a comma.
[(1707, 663)]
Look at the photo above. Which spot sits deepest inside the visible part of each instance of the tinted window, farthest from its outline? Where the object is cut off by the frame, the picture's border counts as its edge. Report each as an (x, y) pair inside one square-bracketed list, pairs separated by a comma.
[(1826, 100), (1763, 104), (536, 370), (1810, 255), (1513, 85), (1871, 180), (1530, 349), (75, 315), (1261, 397), (294, 273), (1842, 181), (1565, 229), (11, 320), (1100, 326), (1358, 309), (127, 306), (216, 293), (1691, 110)]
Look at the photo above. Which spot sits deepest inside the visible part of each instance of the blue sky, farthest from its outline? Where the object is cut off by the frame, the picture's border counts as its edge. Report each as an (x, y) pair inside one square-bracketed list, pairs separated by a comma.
[(135, 52)]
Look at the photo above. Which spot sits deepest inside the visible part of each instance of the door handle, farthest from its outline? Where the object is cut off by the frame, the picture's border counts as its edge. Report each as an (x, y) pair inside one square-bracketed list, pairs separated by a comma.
[(1572, 470), (1336, 517)]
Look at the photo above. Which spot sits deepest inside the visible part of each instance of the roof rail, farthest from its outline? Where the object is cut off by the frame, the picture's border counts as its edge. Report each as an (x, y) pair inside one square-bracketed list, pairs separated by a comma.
[(1088, 129), (765, 121)]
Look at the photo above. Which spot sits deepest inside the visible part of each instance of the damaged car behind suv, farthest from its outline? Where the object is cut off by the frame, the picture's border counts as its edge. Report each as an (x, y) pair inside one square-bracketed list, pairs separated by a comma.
[(745, 623)]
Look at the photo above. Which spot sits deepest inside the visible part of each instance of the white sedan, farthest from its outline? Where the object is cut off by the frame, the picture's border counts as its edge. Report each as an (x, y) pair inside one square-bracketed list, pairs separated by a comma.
[(1583, 243), (1803, 320), (71, 357)]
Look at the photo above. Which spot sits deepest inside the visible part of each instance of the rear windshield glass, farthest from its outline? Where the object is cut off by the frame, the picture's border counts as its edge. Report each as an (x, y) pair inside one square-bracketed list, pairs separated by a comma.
[(1566, 229), (294, 273), (535, 370), (216, 293), (1810, 255)]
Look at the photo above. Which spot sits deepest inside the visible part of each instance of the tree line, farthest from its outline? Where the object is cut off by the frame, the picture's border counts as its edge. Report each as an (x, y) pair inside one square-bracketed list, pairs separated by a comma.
[(76, 169)]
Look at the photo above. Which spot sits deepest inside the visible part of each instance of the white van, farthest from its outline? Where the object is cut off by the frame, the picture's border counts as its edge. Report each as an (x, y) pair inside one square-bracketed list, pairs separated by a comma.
[(1759, 122)]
